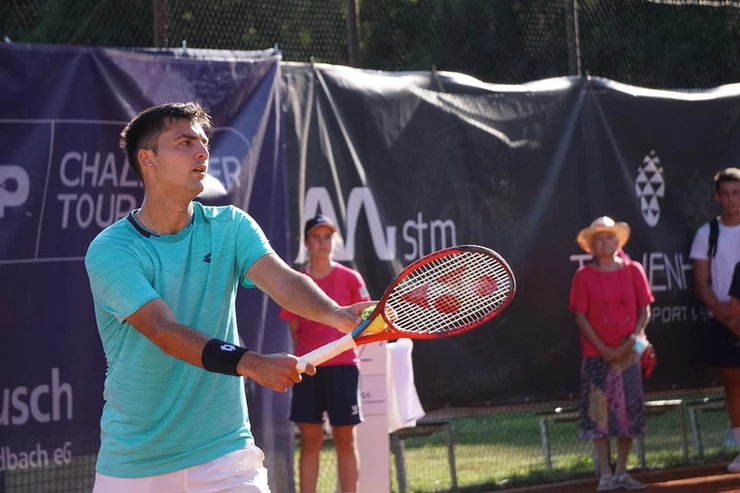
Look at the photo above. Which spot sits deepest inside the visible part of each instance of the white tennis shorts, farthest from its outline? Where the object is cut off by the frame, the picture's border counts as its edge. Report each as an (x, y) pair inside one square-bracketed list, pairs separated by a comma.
[(238, 472)]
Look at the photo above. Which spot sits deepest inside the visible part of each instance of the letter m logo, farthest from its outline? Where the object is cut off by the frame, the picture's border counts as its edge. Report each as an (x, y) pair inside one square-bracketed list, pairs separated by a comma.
[(360, 198)]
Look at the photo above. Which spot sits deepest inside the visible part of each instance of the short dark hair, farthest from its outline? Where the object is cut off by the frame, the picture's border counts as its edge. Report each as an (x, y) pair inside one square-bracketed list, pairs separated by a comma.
[(727, 174), (144, 130)]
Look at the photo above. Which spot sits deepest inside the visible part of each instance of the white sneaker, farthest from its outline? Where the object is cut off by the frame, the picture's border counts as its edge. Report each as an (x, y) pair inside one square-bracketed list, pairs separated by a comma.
[(734, 466), (627, 482), (607, 483)]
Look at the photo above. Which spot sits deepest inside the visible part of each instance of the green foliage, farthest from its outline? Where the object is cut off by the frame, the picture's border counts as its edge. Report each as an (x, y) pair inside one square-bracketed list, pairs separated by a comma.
[(78, 22), (657, 45), (502, 41), (639, 42)]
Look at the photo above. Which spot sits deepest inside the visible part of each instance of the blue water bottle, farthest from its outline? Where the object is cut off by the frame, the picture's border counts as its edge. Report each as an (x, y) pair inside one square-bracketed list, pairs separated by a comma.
[(641, 344)]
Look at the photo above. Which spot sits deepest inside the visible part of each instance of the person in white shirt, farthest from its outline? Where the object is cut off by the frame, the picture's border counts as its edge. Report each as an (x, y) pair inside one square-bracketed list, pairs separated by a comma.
[(715, 252)]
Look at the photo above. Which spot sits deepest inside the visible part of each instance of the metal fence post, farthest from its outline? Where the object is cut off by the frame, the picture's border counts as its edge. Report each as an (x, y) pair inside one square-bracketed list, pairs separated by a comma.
[(160, 22), (571, 30), (353, 33)]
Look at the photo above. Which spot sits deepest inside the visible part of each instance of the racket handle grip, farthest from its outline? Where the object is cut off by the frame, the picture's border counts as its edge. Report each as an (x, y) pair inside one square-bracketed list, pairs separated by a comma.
[(326, 352)]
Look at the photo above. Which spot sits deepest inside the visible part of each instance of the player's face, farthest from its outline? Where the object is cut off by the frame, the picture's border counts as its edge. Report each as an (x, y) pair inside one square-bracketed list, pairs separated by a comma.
[(728, 197), (182, 157), (319, 242), (604, 244)]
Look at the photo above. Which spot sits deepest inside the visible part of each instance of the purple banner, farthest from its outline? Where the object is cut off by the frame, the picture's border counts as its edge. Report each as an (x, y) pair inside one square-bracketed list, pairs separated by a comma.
[(63, 179)]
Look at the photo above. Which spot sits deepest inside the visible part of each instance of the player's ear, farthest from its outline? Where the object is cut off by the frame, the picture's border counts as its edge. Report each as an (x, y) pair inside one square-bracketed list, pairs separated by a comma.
[(146, 157)]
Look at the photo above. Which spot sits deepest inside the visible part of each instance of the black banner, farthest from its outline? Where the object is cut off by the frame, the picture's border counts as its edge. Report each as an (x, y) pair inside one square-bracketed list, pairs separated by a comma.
[(410, 163)]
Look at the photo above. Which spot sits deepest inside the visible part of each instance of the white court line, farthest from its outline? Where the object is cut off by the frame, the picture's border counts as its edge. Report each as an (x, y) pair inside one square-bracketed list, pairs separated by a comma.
[(46, 189)]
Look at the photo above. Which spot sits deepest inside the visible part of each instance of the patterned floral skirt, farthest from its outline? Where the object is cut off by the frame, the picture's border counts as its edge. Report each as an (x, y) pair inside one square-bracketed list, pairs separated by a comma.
[(611, 399)]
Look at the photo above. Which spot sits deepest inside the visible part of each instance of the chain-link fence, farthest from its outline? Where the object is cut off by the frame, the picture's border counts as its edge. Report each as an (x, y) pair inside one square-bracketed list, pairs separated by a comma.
[(507, 42), (651, 43), (661, 43), (492, 451), (303, 29)]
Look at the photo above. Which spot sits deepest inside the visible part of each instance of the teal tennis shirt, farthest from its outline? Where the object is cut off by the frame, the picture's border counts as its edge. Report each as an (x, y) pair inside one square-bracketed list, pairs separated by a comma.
[(162, 414)]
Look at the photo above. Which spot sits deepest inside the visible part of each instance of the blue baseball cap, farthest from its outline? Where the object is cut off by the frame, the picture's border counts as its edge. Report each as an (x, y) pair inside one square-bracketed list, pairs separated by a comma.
[(315, 222)]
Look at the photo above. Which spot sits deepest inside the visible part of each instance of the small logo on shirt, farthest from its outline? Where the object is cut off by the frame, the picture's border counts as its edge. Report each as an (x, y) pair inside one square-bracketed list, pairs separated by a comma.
[(207, 259), (227, 347), (355, 410)]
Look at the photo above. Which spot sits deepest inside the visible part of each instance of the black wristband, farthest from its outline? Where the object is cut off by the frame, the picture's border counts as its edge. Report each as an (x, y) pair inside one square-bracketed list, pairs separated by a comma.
[(222, 357)]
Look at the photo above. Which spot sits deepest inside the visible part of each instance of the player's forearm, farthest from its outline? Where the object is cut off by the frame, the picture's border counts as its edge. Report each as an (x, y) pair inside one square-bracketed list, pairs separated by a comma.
[(300, 295), (294, 291), (182, 342), (157, 323)]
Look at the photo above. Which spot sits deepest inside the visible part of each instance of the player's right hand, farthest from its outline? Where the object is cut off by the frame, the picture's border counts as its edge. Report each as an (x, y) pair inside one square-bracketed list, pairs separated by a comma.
[(274, 371)]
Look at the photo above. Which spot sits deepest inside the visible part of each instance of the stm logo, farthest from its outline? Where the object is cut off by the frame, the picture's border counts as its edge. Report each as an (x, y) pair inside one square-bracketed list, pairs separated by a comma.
[(649, 187), (14, 187)]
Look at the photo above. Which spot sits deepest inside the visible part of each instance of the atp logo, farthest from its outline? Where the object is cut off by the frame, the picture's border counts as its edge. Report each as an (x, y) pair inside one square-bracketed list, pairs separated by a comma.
[(650, 187), (14, 187)]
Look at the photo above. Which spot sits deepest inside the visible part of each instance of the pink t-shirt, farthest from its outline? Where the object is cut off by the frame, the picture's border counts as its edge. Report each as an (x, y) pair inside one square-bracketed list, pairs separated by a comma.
[(346, 287), (610, 301)]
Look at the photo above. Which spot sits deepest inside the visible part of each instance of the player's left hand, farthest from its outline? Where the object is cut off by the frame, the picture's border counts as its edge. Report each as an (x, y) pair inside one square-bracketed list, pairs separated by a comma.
[(349, 317), (275, 371)]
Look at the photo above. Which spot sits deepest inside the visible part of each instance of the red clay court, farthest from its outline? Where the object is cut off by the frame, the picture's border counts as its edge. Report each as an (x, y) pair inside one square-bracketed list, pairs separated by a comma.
[(701, 479)]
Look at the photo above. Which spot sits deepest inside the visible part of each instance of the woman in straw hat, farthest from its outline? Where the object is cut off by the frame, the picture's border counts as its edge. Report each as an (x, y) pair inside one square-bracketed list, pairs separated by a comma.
[(610, 298)]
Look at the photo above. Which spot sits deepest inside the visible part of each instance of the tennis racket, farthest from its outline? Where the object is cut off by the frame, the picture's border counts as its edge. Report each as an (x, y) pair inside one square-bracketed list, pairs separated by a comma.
[(447, 292)]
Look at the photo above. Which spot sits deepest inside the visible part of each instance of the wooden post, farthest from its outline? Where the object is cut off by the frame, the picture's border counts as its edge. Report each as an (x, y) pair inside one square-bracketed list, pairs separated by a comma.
[(571, 30), (160, 22), (353, 33)]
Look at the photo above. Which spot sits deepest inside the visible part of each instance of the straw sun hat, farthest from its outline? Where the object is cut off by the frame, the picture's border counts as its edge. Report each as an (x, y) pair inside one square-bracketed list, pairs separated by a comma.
[(603, 224)]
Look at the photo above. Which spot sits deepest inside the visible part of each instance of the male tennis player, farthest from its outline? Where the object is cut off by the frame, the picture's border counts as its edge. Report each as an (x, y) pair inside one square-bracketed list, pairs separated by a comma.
[(164, 281)]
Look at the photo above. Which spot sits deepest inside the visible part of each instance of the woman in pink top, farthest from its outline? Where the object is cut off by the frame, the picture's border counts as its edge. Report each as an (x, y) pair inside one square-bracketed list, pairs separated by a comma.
[(610, 298), (335, 387)]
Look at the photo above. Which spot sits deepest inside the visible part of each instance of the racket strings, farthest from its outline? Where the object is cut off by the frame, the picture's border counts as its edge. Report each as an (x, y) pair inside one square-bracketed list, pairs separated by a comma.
[(450, 293)]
